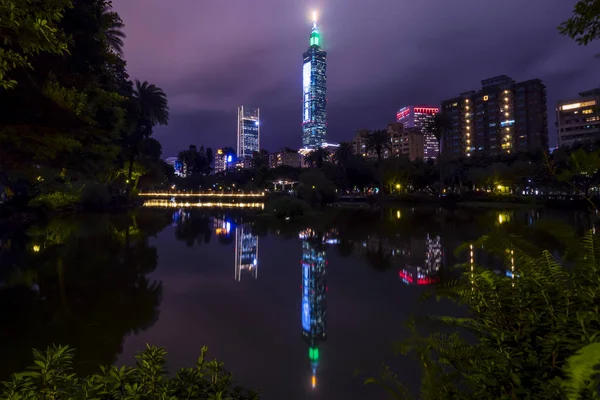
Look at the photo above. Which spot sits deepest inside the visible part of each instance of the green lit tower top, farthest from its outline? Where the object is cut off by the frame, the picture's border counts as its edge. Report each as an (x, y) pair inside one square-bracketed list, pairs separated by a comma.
[(315, 37), (314, 91)]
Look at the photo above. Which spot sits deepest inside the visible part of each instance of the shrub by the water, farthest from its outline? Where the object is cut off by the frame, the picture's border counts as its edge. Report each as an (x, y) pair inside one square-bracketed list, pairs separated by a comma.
[(52, 377), (288, 207)]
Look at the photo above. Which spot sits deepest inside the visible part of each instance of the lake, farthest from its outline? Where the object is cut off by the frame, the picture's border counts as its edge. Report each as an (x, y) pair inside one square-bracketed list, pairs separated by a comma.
[(292, 309)]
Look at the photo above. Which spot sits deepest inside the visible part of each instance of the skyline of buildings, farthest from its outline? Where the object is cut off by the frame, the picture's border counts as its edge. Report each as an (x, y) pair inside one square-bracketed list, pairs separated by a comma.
[(314, 92), (502, 117)]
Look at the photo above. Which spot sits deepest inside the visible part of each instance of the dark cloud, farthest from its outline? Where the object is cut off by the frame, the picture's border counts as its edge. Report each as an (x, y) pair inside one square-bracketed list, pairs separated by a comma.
[(211, 56)]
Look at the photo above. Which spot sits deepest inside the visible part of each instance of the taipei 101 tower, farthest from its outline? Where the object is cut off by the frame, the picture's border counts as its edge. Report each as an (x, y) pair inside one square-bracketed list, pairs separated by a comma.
[(314, 92)]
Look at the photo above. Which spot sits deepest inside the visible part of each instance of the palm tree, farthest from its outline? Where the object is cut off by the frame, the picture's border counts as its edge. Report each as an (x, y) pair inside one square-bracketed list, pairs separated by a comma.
[(439, 126), (113, 33), (379, 141), (316, 158), (343, 154), (150, 108)]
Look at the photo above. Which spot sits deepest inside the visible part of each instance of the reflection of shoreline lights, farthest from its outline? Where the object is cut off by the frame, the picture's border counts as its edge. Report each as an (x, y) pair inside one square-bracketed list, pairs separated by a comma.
[(171, 204), (209, 194)]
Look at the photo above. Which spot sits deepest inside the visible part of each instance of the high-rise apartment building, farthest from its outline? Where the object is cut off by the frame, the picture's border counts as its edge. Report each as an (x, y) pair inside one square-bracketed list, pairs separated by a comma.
[(503, 117), (420, 118), (578, 120), (248, 132), (314, 92), (224, 160)]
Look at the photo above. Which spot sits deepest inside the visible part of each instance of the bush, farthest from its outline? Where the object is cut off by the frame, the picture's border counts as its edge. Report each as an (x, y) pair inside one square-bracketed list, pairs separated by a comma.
[(288, 207), (533, 336), (52, 377)]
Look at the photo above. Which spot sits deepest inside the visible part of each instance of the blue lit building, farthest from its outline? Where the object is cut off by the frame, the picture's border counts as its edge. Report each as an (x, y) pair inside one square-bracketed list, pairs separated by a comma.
[(248, 132), (314, 296), (314, 92)]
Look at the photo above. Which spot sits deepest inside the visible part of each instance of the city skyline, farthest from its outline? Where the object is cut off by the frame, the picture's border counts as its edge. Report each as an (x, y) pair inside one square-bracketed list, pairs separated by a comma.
[(203, 91)]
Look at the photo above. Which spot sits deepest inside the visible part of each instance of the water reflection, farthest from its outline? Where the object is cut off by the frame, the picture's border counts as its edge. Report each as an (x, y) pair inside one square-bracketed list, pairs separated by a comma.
[(426, 273), (87, 282), (246, 252), (314, 295), (81, 282)]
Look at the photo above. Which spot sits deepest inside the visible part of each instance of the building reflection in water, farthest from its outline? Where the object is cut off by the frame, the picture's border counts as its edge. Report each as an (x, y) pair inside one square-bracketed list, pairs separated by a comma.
[(246, 252), (245, 245), (426, 274), (314, 295)]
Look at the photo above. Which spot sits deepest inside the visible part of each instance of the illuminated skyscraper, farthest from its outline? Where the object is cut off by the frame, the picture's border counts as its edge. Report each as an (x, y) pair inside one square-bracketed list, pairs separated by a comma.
[(420, 117), (314, 296), (248, 132), (314, 92), (246, 252)]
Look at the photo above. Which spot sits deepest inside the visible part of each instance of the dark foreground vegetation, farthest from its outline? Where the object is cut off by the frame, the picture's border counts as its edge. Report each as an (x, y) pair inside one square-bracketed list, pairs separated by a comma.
[(51, 376)]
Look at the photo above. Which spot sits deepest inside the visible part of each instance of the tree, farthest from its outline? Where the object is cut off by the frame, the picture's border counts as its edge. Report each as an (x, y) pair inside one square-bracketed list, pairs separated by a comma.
[(52, 376), (344, 154), (150, 108), (379, 142), (29, 27), (584, 25), (113, 29), (316, 158), (439, 125)]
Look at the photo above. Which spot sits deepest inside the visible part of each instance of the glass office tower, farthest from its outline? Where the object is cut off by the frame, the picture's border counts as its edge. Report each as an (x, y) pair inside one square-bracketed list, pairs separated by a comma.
[(248, 132)]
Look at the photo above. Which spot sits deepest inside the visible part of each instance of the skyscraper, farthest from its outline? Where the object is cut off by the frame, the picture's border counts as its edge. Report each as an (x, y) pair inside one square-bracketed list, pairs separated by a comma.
[(503, 117), (314, 92), (248, 132), (419, 117)]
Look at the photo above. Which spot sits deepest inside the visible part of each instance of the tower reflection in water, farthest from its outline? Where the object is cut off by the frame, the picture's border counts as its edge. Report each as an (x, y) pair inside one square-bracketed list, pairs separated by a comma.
[(314, 295), (246, 252), (245, 246), (426, 274)]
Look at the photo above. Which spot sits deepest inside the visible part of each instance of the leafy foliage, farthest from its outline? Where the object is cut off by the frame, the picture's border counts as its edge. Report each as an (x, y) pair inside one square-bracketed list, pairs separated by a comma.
[(584, 24), (52, 377), (29, 27), (534, 336)]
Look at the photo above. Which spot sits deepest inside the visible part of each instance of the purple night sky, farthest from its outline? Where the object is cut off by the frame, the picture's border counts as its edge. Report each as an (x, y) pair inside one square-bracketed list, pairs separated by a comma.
[(211, 56)]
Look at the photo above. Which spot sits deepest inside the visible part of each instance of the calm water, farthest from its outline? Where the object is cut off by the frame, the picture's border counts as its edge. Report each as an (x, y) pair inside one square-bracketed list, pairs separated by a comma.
[(293, 310)]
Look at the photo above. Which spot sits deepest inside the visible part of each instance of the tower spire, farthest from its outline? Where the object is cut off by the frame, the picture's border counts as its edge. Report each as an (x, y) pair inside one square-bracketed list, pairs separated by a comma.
[(315, 37)]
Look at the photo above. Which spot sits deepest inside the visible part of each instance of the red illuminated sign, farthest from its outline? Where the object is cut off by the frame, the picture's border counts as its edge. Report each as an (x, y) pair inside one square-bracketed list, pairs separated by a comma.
[(427, 110), (403, 113)]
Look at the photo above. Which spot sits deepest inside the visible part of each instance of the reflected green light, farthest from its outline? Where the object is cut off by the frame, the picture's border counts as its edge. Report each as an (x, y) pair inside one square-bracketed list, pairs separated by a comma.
[(313, 354)]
